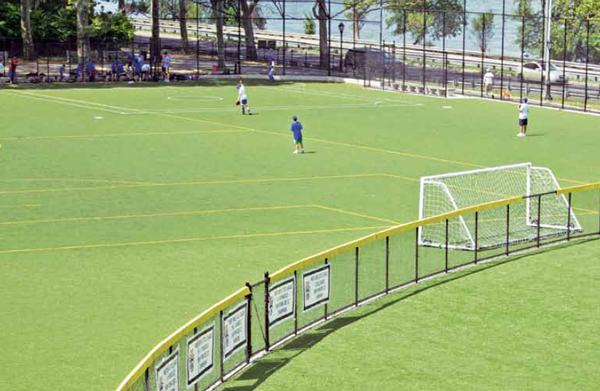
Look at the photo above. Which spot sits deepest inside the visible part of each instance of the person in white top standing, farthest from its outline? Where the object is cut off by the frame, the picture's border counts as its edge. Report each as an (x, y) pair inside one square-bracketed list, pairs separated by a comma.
[(523, 115), (243, 98), (488, 82)]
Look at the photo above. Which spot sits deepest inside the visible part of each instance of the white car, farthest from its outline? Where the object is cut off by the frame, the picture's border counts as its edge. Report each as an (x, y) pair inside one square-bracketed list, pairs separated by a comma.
[(532, 71)]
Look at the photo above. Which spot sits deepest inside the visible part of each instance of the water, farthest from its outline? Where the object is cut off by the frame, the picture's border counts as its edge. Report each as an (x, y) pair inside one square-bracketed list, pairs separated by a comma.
[(297, 10)]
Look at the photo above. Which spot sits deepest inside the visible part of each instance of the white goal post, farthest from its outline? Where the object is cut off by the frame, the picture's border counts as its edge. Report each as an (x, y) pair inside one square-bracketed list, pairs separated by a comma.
[(449, 192)]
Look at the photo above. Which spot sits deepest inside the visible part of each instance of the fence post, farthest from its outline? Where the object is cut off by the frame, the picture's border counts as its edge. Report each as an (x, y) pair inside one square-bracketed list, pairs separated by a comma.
[(476, 236), (569, 218), (446, 249), (464, 42), (539, 219), (417, 255), (221, 345), (502, 50), (147, 379), (387, 265), (326, 262), (295, 302), (587, 63), (267, 280), (507, 229), (249, 323), (564, 84), (356, 256)]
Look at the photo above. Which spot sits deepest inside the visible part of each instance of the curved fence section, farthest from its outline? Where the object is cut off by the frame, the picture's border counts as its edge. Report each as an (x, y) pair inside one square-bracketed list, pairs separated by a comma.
[(219, 342)]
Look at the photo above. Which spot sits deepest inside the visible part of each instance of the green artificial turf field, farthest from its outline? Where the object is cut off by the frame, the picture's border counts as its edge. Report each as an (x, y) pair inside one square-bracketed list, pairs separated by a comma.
[(126, 211)]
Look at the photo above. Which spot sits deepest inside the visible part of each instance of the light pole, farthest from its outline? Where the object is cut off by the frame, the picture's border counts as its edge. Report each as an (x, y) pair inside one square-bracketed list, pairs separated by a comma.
[(341, 27), (548, 48)]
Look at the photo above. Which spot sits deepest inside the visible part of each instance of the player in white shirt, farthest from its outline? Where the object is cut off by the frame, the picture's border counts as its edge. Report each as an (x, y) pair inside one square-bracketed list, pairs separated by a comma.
[(243, 98), (488, 82), (523, 115)]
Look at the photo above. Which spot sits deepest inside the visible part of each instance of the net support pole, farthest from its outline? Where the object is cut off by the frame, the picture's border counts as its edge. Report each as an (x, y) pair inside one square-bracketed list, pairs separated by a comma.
[(417, 255), (356, 256), (569, 217), (267, 343), (248, 323)]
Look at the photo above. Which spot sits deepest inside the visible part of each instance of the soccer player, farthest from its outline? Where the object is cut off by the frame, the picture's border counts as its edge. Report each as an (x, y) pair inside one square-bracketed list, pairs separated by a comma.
[(296, 128), (488, 82), (523, 114), (243, 98)]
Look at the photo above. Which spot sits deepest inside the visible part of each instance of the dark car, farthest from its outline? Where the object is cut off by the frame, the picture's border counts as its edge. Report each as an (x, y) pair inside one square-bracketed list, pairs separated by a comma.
[(361, 58)]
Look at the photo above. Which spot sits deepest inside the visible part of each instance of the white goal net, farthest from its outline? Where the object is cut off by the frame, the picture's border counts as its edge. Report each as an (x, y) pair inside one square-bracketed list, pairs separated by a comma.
[(449, 192)]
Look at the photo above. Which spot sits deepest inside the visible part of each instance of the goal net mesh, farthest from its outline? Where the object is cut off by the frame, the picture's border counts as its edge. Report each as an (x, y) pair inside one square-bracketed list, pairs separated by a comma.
[(449, 192)]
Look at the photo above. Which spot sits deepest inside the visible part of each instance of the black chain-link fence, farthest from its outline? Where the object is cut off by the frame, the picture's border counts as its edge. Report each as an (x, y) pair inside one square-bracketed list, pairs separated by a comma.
[(495, 54)]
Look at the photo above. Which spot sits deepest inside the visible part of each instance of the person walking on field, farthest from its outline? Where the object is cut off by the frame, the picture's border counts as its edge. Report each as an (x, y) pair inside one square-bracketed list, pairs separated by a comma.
[(296, 128), (488, 82), (523, 116)]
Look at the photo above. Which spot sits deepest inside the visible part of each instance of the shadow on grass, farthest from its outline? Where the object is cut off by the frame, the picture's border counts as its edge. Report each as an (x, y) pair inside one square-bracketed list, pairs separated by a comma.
[(216, 82), (257, 373)]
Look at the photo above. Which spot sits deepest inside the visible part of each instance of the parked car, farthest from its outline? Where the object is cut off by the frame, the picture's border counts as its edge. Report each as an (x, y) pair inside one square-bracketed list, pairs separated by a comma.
[(373, 58), (532, 71)]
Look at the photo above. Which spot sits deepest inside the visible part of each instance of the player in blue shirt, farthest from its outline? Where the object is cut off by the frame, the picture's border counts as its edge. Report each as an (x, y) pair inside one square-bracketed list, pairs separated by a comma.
[(296, 127)]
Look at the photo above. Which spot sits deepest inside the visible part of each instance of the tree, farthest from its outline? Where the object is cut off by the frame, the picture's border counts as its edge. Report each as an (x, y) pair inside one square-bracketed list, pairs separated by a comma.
[(183, 26), (359, 9), (570, 17), (26, 34), (248, 11), (155, 39), (83, 39), (309, 25), (217, 6), (483, 29), (426, 18), (320, 13)]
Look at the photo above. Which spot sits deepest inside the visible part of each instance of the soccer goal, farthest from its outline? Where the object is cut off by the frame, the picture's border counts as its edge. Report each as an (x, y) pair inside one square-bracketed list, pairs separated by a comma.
[(449, 192)]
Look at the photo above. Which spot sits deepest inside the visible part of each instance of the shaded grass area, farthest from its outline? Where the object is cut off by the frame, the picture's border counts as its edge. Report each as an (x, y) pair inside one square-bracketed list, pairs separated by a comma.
[(126, 211), (524, 323)]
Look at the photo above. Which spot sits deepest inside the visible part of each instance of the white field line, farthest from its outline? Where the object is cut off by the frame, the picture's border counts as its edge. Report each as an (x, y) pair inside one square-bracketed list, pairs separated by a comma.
[(271, 108), (81, 104), (350, 96)]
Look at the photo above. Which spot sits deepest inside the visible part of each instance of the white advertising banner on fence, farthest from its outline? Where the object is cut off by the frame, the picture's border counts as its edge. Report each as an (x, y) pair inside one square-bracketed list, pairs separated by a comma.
[(282, 301), (167, 373), (234, 330), (200, 355), (316, 287)]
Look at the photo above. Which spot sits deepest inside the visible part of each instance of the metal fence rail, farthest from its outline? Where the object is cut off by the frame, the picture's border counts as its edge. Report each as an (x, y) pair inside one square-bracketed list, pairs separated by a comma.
[(215, 345), (448, 54)]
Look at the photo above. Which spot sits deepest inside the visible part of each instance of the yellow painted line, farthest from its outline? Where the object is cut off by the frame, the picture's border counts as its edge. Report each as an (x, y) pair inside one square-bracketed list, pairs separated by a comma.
[(150, 215), (357, 214), (192, 183), (73, 180), (187, 240), (84, 136)]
